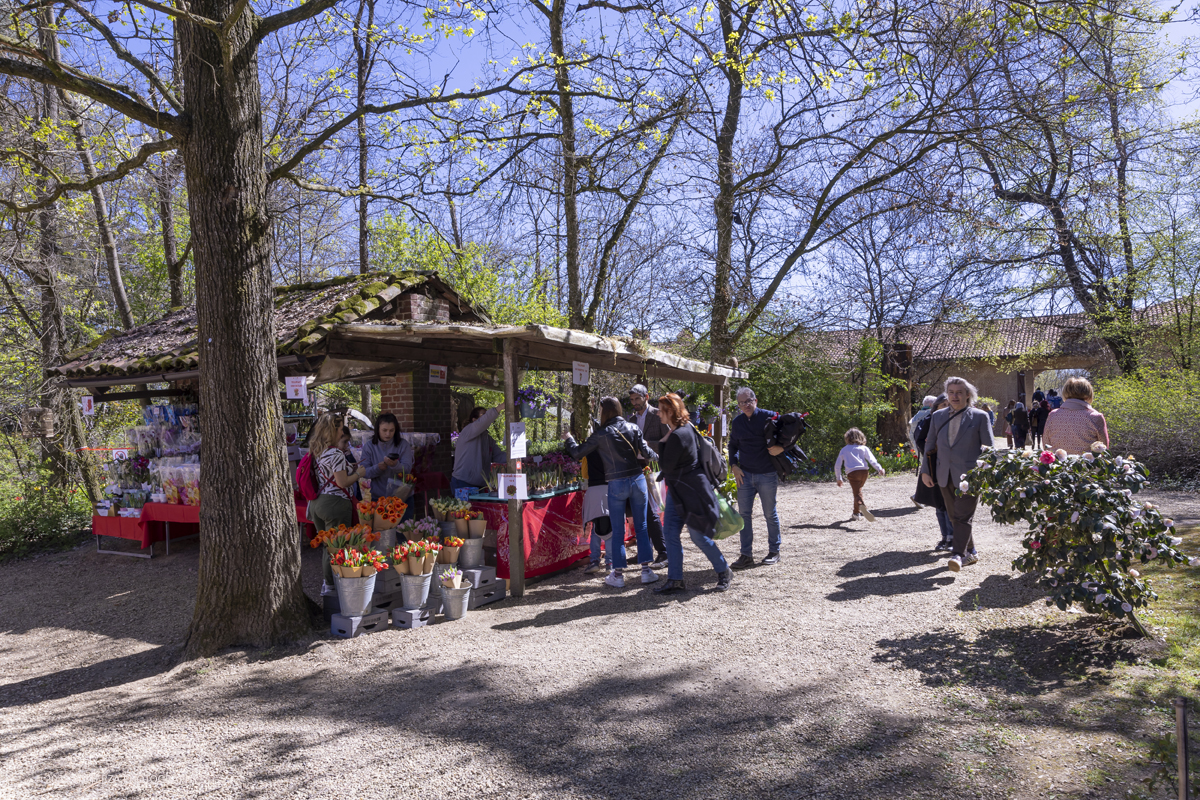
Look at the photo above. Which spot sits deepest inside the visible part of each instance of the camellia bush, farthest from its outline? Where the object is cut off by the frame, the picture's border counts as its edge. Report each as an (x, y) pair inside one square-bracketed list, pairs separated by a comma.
[(1087, 535)]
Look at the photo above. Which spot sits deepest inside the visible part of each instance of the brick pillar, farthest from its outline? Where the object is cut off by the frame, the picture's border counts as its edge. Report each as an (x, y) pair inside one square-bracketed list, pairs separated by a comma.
[(421, 407)]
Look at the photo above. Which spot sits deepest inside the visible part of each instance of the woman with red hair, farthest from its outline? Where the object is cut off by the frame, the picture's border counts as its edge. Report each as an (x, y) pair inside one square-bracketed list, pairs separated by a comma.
[(690, 498)]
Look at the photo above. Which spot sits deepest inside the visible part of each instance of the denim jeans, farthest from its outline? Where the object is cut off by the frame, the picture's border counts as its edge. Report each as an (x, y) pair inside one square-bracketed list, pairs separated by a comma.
[(764, 484), (673, 529), (633, 490), (944, 523), (601, 527)]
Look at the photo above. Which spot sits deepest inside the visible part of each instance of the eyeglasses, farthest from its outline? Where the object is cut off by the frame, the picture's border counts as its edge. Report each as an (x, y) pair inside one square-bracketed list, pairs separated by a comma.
[(745, 403)]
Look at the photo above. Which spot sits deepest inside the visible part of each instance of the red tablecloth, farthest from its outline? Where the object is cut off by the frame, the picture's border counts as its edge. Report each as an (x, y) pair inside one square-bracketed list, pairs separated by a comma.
[(555, 536), (151, 526)]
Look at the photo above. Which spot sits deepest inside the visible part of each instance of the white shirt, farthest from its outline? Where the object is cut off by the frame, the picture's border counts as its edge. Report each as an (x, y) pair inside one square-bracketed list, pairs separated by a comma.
[(854, 457), (640, 419)]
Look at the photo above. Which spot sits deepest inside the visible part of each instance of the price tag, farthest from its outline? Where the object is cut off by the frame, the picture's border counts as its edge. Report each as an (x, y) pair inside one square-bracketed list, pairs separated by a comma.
[(513, 486), (438, 373), (517, 442), (89, 405), (297, 388), (581, 373)]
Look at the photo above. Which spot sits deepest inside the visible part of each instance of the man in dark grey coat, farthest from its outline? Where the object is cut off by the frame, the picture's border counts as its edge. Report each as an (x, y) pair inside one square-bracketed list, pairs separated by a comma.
[(958, 435)]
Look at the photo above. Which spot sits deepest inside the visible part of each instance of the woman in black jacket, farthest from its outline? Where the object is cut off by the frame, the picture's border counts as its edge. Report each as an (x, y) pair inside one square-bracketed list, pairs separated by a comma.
[(690, 498)]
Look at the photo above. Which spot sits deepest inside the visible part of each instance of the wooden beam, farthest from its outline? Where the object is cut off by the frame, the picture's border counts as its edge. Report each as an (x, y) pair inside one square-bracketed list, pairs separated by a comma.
[(379, 351), (718, 435), (111, 397), (560, 358), (516, 528)]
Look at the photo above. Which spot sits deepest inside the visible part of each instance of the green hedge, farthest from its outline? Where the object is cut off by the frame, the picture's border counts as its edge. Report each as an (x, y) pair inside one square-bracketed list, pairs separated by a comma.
[(1155, 418), (35, 517)]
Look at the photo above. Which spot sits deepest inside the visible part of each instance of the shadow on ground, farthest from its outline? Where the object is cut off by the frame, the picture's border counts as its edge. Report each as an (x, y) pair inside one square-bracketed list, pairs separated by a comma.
[(1026, 659)]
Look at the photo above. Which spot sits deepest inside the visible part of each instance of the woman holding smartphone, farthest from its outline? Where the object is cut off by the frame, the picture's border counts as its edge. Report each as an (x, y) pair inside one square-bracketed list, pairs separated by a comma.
[(385, 455)]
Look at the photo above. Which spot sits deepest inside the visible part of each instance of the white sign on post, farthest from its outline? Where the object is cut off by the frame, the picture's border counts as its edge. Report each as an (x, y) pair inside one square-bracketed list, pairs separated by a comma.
[(89, 405), (517, 442), (438, 373), (581, 373), (724, 424), (513, 486), (297, 388), (120, 455)]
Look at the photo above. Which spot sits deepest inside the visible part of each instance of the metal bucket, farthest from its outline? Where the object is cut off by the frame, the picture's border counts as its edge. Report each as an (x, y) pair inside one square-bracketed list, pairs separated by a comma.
[(354, 595), (471, 554), (456, 601), (435, 588), (448, 528), (387, 540), (414, 590)]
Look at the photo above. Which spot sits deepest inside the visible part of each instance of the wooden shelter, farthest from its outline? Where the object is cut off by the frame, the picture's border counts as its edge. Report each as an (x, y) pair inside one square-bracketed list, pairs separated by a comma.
[(388, 329)]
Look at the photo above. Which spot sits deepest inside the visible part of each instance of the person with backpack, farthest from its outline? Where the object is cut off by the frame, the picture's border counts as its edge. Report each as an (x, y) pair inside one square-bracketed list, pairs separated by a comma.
[(754, 471), (325, 478), (625, 454), (691, 499)]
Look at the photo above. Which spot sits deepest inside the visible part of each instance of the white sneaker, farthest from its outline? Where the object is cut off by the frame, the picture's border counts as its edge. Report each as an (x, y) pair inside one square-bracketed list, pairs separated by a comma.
[(954, 564), (648, 575), (856, 517), (969, 558), (615, 580)]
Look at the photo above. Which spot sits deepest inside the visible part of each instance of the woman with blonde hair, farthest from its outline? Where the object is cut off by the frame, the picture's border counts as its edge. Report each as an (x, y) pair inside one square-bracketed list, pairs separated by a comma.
[(335, 481), (1075, 425)]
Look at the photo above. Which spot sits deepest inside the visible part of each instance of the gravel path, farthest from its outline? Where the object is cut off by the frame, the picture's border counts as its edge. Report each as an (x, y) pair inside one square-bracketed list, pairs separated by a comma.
[(857, 667)]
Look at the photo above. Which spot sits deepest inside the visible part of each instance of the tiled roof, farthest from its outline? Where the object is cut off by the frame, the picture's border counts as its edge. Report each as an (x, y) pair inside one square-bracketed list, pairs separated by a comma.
[(1060, 334), (304, 314)]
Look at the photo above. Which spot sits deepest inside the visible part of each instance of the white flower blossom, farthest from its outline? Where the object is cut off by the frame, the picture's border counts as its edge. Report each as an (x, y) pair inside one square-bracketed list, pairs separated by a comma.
[(979, 463), (1102, 597), (964, 486), (1021, 495), (1133, 573), (1126, 607), (1153, 552), (1088, 457), (1120, 461), (1170, 523), (1194, 562), (1099, 447), (1075, 517), (1061, 571)]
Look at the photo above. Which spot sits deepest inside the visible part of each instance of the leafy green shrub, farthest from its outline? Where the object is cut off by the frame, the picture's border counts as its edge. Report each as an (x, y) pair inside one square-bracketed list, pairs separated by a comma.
[(1086, 533), (36, 517), (1156, 418)]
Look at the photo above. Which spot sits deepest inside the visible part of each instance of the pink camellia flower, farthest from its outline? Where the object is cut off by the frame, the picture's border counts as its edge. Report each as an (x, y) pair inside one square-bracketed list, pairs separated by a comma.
[(1036, 545), (1046, 457)]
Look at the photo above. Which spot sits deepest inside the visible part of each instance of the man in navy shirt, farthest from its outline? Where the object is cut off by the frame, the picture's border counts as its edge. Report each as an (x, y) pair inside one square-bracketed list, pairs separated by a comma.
[(754, 472)]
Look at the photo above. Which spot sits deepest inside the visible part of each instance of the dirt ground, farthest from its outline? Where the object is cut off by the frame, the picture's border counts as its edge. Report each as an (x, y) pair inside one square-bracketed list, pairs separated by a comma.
[(857, 667)]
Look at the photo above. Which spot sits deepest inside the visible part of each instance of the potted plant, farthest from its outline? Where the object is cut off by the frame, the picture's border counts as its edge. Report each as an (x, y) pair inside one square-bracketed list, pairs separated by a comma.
[(533, 402), (414, 529), (416, 557), (432, 550), (399, 556), (450, 546)]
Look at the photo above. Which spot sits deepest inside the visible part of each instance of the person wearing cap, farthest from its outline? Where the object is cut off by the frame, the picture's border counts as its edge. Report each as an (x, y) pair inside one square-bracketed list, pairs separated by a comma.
[(647, 418)]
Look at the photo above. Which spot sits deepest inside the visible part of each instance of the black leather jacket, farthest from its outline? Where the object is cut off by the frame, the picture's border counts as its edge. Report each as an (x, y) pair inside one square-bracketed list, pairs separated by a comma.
[(619, 444)]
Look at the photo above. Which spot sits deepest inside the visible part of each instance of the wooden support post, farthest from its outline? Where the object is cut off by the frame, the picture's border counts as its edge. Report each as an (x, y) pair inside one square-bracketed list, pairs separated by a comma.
[(516, 532), (719, 401)]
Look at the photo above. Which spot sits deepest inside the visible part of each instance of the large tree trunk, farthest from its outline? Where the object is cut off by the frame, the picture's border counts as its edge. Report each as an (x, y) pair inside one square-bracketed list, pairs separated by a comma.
[(165, 186), (249, 584)]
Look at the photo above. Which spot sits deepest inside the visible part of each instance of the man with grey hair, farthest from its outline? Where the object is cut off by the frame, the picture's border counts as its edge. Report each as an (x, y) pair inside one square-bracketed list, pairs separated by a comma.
[(750, 460), (646, 417), (957, 435)]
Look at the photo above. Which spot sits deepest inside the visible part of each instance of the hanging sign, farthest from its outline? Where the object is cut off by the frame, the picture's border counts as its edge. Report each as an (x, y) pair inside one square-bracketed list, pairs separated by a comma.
[(581, 373), (517, 442), (513, 486), (724, 424), (438, 373), (297, 388), (89, 405), (120, 455)]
